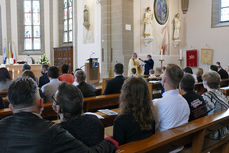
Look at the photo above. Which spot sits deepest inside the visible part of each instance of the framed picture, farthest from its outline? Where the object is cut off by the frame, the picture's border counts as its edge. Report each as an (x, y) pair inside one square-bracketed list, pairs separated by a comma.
[(192, 58), (161, 11), (206, 56)]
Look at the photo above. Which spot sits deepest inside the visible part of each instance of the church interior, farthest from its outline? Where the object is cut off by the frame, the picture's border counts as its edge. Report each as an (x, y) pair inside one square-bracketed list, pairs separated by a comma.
[(175, 49)]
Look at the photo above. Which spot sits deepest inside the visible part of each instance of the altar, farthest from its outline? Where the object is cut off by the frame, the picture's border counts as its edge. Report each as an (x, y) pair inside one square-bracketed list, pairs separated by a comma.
[(16, 70)]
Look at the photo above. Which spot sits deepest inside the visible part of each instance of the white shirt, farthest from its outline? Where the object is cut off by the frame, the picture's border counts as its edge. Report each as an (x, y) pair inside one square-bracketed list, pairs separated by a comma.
[(171, 110)]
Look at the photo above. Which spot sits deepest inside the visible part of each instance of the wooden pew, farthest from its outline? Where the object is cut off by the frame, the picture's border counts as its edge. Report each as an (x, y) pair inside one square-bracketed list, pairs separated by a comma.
[(90, 104), (225, 90), (104, 83), (199, 88), (108, 120), (3, 93), (193, 132), (224, 83), (99, 102)]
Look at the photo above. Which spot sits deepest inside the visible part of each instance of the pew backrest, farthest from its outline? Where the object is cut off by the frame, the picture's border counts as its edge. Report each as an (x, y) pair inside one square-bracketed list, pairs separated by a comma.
[(99, 102), (193, 132)]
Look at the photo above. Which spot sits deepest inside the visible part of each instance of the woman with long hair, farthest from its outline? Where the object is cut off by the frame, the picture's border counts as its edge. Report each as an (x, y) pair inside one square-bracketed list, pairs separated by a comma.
[(136, 119)]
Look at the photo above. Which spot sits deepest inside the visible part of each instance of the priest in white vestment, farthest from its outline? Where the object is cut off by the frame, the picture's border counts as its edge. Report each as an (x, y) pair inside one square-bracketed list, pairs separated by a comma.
[(134, 63)]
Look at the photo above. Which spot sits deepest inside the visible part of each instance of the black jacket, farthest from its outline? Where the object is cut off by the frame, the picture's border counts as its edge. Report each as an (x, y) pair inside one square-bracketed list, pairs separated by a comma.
[(126, 129), (27, 133), (114, 85), (88, 129), (44, 79), (223, 74), (87, 89)]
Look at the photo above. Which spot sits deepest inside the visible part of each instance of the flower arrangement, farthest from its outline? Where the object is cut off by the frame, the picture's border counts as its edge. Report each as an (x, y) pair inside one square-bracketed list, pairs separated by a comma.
[(43, 60)]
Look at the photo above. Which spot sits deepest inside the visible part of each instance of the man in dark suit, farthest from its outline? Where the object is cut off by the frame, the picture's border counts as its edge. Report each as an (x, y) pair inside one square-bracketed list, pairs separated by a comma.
[(223, 73), (87, 89), (149, 64), (114, 85), (44, 79), (26, 132)]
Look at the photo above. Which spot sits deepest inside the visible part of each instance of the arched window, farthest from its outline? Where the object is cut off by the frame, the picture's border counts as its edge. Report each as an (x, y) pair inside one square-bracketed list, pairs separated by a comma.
[(68, 21), (32, 25)]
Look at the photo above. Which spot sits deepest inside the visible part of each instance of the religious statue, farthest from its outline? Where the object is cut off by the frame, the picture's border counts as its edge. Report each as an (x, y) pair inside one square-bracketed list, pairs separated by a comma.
[(176, 30), (148, 24), (134, 63), (86, 22)]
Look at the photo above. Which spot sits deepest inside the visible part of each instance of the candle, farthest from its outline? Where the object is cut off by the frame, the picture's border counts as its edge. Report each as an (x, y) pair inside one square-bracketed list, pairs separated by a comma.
[(181, 54), (161, 54)]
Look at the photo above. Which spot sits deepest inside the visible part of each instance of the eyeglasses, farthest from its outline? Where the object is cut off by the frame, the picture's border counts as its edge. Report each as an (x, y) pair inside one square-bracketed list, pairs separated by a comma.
[(54, 99)]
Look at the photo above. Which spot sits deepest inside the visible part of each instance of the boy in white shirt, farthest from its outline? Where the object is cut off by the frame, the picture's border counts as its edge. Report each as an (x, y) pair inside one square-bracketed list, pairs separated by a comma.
[(172, 110)]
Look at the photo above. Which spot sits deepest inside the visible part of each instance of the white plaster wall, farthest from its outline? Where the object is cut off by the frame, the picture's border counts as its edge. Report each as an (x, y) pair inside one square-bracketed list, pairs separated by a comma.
[(85, 50), (154, 50), (201, 35)]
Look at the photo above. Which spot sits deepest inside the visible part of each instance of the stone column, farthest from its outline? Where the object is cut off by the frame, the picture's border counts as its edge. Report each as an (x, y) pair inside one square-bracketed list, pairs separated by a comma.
[(117, 42)]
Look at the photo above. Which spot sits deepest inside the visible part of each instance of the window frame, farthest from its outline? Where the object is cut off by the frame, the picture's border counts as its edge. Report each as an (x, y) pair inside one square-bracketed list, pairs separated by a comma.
[(32, 27), (68, 27), (220, 12), (216, 15), (21, 30)]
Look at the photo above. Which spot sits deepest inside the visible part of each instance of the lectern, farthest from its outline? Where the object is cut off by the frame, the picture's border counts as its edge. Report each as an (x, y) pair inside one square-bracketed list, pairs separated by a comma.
[(92, 71)]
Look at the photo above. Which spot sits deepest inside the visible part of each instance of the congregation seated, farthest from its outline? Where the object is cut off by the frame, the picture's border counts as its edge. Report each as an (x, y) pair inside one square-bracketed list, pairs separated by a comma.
[(136, 119), (87, 89), (152, 73), (69, 106), (134, 72), (31, 75), (189, 71), (44, 79), (195, 101), (223, 73), (50, 88), (28, 132), (114, 85), (172, 109), (199, 74), (5, 79), (216, 101), (66, 76), (26, 67)]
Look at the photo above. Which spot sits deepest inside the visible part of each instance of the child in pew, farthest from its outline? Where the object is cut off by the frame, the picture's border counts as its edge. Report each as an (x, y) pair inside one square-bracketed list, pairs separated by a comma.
[(68, 103), (134, 72), (152, 74), (196, 102), (136, 119)]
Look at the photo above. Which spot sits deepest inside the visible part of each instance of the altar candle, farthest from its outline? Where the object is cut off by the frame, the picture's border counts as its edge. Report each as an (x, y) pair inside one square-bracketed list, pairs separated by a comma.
[(181, 54), (161, 54)]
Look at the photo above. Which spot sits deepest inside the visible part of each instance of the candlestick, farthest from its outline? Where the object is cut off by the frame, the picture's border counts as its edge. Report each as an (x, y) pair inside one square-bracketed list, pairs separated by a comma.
[(161, 60), (161, 54), (181, 54)]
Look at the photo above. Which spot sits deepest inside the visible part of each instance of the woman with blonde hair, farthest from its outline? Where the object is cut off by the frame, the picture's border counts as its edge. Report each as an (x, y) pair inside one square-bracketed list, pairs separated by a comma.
[(136, 119)]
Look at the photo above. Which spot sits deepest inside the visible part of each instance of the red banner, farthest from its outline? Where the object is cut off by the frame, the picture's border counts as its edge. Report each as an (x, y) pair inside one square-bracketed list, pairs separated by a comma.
[(192, 58)]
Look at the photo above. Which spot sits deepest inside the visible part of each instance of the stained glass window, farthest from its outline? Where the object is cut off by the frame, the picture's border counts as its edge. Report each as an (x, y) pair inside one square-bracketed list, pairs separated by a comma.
[(32, 25), (68, 24), (224, 11)]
